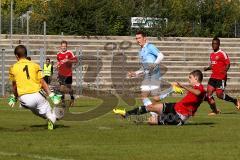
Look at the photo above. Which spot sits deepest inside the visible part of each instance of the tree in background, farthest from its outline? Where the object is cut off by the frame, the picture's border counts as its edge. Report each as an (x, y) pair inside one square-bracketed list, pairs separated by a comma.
[(112, 17)]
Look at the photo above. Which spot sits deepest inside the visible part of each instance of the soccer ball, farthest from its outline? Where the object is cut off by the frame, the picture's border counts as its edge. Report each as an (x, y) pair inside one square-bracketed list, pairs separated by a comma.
[(59, 112)]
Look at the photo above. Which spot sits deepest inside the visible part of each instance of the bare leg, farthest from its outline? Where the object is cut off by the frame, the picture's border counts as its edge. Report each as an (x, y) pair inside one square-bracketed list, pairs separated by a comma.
[(211, 100), (157, 108)]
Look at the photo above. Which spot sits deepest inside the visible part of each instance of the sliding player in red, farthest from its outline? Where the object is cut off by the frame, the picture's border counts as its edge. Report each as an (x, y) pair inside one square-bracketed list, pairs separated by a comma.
[(174, 113)]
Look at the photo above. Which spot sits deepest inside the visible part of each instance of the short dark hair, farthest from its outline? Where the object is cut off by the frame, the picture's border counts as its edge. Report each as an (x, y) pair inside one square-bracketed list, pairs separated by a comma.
[(48, 58), (20, 51), (198, 74), (64, 42), (216, 39), (142, 33)]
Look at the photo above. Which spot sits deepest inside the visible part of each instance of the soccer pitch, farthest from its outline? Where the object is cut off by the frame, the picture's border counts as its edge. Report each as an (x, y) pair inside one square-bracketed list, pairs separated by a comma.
[(24, 136)]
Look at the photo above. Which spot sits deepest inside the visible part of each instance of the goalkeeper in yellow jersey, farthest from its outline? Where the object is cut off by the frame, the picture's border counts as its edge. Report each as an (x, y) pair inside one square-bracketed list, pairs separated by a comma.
[(27, 82)]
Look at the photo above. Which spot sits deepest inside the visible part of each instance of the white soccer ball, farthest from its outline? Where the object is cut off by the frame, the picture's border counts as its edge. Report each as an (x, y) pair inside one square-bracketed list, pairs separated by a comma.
[(59, 112)]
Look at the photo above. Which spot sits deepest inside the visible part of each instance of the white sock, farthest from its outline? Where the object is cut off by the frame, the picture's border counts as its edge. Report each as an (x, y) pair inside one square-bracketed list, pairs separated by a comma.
[(147, 102), (51, 116)]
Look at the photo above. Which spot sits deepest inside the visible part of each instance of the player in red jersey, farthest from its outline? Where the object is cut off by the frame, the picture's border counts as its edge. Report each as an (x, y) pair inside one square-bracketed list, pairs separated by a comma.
[(65, 59), (220, 64), (174, 113)]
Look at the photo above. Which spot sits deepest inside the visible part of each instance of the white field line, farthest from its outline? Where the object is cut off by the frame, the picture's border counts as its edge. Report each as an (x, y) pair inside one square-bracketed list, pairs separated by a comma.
[(31, 156)]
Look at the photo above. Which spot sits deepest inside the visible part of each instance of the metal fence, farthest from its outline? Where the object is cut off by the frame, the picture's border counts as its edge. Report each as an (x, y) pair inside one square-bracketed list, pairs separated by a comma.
[(90, 76), (83, 84)]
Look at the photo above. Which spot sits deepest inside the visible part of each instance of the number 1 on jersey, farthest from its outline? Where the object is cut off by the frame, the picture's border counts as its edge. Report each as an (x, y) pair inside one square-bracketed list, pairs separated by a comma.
[(25, 69)]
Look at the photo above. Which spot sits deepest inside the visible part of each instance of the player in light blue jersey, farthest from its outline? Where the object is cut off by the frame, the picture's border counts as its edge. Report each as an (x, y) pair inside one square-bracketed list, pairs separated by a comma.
[(150, 58)]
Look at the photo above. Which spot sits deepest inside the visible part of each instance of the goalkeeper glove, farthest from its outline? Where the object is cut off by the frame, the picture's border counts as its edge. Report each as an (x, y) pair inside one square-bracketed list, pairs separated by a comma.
[(12, 100), (56, 99)]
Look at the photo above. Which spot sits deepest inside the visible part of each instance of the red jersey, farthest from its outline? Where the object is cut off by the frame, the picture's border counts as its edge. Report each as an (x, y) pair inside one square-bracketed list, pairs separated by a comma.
[(219, 61), (65, 68), (190, 103)]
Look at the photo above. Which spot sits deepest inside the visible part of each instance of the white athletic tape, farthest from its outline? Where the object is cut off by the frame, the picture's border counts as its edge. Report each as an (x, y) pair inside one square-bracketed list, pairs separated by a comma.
[(149, 87), (147, 102)]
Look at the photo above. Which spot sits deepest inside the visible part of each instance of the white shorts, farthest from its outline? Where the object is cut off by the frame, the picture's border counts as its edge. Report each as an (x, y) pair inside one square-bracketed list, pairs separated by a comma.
[(152, 86), (38, 104)]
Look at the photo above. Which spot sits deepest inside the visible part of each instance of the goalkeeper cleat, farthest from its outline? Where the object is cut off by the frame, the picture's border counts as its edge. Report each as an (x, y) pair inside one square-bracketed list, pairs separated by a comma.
[(50, 125), (121, 112), (56, 98), (177, 89), (12, 100)]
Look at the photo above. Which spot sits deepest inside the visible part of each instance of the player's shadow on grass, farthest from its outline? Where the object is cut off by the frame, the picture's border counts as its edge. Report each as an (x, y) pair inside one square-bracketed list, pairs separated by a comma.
[(30, 128), (6, 129), (200, 124), (44, 126), (187, 124), (90, 106), (230, 113)]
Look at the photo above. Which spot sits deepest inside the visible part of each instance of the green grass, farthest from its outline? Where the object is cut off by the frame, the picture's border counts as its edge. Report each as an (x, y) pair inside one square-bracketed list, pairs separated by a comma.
[(23, 136)]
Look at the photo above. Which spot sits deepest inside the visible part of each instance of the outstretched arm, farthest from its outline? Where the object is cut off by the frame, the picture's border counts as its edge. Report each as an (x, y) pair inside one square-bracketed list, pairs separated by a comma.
[(159, 58), (137, 73), (45, 87), (14, 86), (227, 67), (207, 68), (55, 98), (73, 60), (190, 89), (13, 98)]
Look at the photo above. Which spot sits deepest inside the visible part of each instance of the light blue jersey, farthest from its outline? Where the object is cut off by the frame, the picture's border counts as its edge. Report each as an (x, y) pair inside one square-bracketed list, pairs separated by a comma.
[(148, 55)]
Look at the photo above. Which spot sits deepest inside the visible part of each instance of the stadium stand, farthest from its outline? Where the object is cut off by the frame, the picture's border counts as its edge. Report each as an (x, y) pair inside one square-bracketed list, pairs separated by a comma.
[(182, 55)]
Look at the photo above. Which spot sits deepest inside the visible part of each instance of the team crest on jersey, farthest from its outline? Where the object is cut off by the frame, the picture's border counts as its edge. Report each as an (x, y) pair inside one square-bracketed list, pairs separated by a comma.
[(214, 62), (217, 57)]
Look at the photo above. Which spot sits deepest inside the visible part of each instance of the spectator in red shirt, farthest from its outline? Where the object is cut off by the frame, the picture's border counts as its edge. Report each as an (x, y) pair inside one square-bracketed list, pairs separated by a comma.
[(220, 64), (174, 113), (65, 59)]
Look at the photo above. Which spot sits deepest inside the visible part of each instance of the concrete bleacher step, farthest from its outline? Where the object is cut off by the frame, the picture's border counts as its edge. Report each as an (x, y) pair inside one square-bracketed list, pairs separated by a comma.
[(182, 55), (115, 44), (192, 39), (178, 74), (232, 86), (162, 48), (134, 59), (125, 38), (232, 81), (234, 69)]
